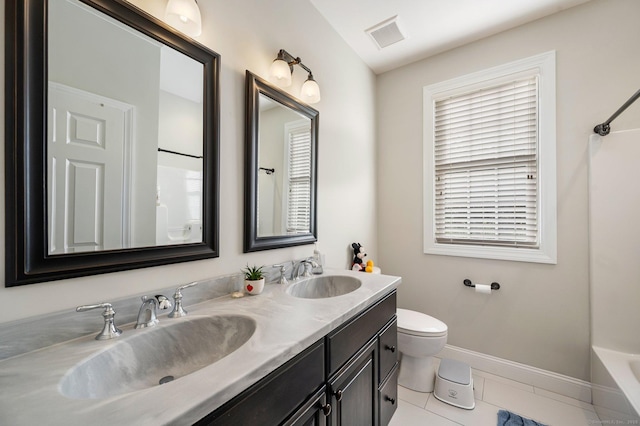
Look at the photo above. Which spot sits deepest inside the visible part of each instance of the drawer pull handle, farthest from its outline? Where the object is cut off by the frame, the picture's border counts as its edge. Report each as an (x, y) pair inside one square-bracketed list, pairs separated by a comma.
[(326, 409), (391, 400), (390, 348), (339, 395)]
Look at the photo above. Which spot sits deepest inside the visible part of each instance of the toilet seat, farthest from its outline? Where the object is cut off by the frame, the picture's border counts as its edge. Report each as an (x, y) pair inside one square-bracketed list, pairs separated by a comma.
[(419, 324)]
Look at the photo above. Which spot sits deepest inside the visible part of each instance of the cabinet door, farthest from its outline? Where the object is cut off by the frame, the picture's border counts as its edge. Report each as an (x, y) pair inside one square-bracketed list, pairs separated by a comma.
[(354, 390), (315, 412)]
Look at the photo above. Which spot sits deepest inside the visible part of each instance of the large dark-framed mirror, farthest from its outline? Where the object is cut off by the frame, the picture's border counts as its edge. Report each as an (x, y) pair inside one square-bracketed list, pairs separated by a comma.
[(52, 236), (281, 162)]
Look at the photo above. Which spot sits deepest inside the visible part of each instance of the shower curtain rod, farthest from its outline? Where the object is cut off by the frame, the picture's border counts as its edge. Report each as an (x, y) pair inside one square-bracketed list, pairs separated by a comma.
[(178, 153), (604, 128)]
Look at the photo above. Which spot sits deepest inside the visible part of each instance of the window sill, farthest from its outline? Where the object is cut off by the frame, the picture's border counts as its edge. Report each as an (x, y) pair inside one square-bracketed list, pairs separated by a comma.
[(538, 255)]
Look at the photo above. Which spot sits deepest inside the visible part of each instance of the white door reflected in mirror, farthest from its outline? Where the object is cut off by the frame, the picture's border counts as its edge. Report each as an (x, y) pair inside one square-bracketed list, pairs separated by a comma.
[(87, 140)]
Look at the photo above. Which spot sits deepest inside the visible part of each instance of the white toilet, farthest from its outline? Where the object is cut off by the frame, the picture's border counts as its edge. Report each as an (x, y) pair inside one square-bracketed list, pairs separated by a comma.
[(420, 337)]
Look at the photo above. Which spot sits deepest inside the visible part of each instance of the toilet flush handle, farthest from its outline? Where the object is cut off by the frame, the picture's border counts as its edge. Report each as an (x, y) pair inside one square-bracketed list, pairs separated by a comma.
[(390, 348)]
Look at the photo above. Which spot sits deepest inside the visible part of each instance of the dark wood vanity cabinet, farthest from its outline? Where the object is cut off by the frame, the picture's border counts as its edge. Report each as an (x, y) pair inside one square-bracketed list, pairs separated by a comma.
[(361, 361), (347, 378)]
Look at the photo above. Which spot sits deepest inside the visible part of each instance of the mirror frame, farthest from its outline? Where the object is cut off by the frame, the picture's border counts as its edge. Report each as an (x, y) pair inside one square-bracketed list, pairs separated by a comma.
[(255, 86), (27, 260)]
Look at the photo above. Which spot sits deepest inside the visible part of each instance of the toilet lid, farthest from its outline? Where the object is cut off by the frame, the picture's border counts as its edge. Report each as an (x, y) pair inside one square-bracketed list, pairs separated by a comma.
[(419, 324)]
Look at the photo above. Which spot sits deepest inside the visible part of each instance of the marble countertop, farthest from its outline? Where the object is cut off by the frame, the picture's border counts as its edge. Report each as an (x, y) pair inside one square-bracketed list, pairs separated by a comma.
[(286, 325)]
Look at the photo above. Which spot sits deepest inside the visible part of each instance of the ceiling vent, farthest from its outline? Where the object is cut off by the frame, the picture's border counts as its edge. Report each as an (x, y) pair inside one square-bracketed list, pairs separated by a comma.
[(386, 32)]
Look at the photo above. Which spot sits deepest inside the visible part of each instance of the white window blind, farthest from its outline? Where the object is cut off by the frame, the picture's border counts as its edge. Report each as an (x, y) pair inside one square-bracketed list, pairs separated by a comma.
[(486, 166), (299, 179)]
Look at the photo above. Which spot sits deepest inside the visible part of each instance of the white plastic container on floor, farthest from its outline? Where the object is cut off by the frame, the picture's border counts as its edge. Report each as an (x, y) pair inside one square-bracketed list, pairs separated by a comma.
[(454, 384)]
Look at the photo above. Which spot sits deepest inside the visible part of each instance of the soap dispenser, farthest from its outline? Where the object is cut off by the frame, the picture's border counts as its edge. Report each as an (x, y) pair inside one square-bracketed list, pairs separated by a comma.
[(319, 259)]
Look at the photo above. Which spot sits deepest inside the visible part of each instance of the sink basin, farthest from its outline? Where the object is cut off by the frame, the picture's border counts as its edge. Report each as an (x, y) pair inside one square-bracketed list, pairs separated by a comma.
[(323, 287), (156, 355)]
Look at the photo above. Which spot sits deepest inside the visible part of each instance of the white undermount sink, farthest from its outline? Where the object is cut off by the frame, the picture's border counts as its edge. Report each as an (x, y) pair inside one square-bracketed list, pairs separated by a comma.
[(324, 286), (154, 356)]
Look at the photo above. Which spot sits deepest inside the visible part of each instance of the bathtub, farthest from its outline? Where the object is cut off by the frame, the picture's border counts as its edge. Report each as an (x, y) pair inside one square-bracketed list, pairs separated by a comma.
[(624, 368)]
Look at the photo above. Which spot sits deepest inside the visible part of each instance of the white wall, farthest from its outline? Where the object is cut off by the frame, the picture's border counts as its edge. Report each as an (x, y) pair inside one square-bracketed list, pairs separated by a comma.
[(179, 124), (540, 317), (248, 35)]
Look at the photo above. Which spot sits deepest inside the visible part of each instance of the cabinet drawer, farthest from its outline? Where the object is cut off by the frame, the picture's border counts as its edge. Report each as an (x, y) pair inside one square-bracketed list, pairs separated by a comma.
[(345, 341), (276, 396), (388, 349), (389, 398)]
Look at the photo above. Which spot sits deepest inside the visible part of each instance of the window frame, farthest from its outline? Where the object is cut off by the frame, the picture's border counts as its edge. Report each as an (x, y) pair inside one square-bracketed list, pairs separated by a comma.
[(290, 128), (544, 66)]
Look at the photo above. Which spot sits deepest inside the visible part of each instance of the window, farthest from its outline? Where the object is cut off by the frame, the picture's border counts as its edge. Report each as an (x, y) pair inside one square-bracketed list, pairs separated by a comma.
[(489, 163), (298, 199)]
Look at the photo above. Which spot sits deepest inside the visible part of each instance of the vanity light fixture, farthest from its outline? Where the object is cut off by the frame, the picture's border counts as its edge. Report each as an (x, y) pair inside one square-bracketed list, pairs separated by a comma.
[(184, 15), (281, 70)]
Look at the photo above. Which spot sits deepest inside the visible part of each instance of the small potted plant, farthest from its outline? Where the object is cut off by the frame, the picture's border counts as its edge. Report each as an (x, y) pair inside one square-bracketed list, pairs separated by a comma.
[(253, 279)]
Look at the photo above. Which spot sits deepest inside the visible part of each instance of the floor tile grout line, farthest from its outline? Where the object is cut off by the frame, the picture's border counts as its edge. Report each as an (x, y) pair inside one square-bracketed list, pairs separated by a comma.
[(505, 380), (541, 395), (564, 402), (411, 403), (444, 417), (497, 407), (547, 400)]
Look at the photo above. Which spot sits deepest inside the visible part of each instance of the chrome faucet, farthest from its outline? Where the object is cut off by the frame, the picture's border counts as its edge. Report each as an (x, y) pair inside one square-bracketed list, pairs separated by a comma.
[(178, 311), (147, 316), (283, 271), (306, 272), (109, 330)]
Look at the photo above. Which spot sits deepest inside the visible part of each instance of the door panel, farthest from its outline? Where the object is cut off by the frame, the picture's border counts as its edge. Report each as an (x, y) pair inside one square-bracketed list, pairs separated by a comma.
[(84, 205), (87, 142), (354, 390)]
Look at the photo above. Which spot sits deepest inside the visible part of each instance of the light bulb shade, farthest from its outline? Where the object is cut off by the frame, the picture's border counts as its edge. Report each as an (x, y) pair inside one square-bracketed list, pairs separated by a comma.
[(280, 73), (184, 16), (310, 92)]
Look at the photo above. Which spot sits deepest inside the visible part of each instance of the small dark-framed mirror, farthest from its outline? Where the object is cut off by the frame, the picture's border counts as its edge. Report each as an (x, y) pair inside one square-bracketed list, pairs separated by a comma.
[(36, 249), (281, 143)]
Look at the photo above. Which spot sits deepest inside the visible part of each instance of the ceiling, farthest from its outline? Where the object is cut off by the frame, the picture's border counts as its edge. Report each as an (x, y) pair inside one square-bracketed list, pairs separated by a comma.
[(430, 26)]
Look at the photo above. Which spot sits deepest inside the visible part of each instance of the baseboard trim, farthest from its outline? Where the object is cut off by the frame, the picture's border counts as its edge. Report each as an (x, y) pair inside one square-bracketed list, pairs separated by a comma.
[(533, 376)]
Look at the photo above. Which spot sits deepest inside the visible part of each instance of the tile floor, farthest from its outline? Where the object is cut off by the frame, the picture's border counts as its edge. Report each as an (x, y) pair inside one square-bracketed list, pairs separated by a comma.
[(493, 393)]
